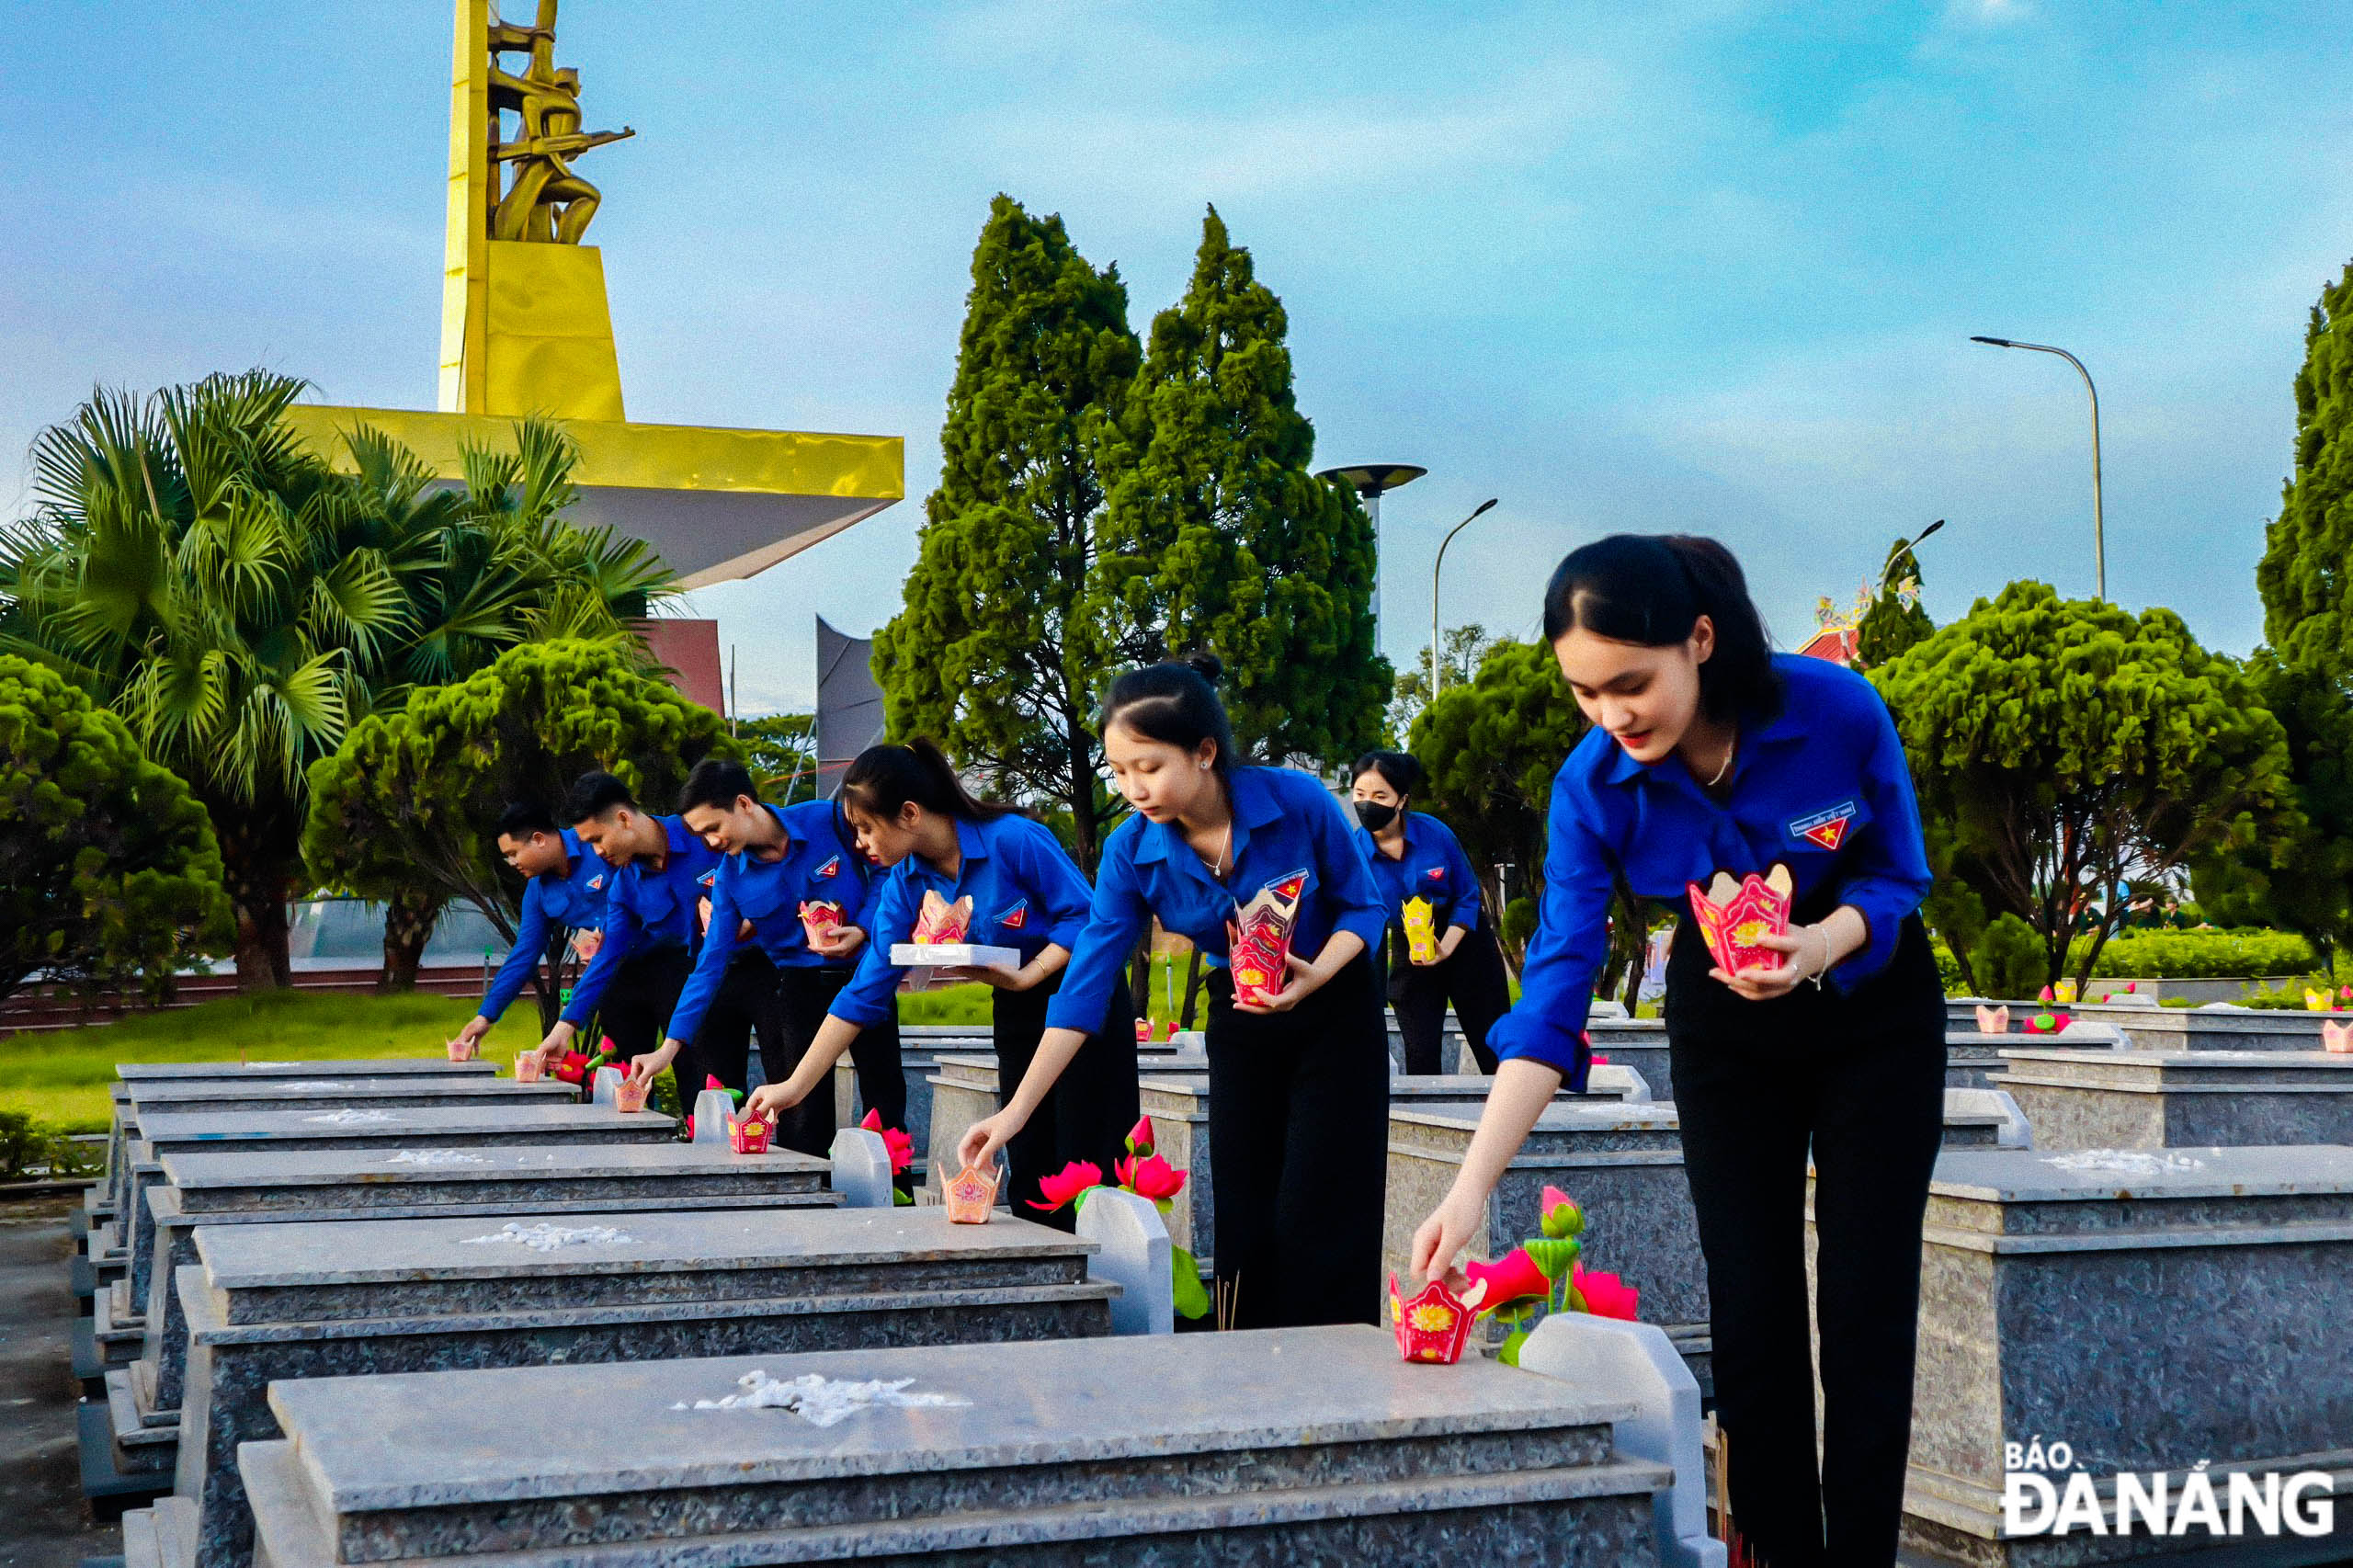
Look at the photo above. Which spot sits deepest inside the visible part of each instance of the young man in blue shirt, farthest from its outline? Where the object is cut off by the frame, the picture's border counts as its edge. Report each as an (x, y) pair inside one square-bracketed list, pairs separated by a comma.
[(793, 875), (650, 941), (563, 896)]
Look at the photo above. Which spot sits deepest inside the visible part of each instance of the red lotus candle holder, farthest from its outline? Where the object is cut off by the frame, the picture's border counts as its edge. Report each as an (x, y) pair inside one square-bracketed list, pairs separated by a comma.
[(971, 1196), (527, 1069), (1733, 914), (1258, 941), (938, 921), (1432, 1327), (748, 1135), (629, 1093), (819, 916)]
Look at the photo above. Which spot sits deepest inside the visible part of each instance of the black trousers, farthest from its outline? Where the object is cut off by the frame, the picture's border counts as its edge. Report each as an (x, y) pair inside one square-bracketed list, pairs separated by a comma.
[(1859, 1079), (1087, 1114), (722, 1048), (1473, 980), (1298, 1152), (797, 1008), (636, 1007)]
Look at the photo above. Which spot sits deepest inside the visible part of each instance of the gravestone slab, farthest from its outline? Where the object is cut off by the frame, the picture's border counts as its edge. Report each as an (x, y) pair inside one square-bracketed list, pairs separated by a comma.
[(267, 1302), (1639, 1043), (1313, 1445), (2155, 1310), (206, 1096), (2160, 1099), (268, 1188), (2202, 1029), (411, 1068), (1135, 1256), (408, 1131)]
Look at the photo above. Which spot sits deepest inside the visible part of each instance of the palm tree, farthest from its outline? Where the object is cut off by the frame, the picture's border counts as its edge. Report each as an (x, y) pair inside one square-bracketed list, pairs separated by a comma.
[(191, 564)]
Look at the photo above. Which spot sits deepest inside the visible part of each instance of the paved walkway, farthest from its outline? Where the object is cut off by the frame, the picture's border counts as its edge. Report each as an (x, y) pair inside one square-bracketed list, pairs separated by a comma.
[(43, 1523)]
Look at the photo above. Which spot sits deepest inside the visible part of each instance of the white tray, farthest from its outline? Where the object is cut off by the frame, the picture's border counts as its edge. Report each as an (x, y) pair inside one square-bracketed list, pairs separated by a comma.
[(953, 955)]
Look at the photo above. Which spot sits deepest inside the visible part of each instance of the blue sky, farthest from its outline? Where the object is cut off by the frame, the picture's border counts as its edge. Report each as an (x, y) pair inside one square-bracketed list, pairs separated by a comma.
[(1707, 266)]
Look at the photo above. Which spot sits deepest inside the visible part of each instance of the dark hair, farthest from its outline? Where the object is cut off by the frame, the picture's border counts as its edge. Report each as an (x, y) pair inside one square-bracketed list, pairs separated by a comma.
[(1651, 589), (886, 777), (1403, 770), (594, 793), (523, 818), (716, 781), (1175, 704)]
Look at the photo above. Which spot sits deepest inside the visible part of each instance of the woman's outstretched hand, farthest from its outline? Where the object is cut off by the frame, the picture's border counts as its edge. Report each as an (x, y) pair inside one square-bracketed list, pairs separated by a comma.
[(1444, 1234), (985, 1137)]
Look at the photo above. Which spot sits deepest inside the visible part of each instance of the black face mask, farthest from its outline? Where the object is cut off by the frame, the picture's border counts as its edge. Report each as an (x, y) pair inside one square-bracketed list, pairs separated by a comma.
[(1374, 815)]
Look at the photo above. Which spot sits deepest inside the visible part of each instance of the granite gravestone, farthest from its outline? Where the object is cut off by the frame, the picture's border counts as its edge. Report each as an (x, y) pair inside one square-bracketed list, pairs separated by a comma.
[(267, 1186), (2158, 1099), (1312, 1445), (2155, 1310), (268, 1303)]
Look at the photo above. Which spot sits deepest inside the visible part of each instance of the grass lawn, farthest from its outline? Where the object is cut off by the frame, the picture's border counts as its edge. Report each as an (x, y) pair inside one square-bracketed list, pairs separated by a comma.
[(60, 1076)]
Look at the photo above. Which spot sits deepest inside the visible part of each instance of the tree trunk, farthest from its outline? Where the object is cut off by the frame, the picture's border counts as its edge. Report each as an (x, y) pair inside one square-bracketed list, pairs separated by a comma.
[(408, 926), (260, 877), (547, 980), (262, 963)]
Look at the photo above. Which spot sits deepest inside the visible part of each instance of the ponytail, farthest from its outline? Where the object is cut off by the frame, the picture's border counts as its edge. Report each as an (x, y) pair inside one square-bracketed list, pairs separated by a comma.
[(886, 778), (1651, 589)]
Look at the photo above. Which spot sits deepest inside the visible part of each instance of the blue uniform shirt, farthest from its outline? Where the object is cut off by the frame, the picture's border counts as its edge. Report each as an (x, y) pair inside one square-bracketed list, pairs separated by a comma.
[(1026, 893), (1284, 823), (575, 900), (1434, 868), (645, 909), (1822, 787), (820, 864)]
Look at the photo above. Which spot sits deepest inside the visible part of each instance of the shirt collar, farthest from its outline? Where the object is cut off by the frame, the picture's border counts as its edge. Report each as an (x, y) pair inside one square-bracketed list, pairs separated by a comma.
[(1254, 806), (745, 860), (1782, 729), (969, 845)]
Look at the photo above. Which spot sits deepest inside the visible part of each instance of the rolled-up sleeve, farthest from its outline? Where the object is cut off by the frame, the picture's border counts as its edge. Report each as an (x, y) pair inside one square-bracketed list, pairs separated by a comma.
[(1890, 873), (1346, 877), (1048, 875), (1116, 917), (1547, 1023), (1466, 884), (523, 958), (866, 1000)]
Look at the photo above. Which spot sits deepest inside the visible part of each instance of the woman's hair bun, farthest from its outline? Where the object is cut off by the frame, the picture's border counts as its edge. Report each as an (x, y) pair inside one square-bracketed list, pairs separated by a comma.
[(1207, 666)]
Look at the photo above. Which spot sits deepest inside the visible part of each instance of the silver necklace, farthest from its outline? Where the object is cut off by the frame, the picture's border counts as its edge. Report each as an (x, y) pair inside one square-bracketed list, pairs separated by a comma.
[(1730, 746)]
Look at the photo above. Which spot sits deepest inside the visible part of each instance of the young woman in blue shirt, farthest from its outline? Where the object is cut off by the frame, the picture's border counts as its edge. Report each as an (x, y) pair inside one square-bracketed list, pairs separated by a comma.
[(761, 968), (1299, 1086), (1412, 855), (912, 813), (1709, 753)]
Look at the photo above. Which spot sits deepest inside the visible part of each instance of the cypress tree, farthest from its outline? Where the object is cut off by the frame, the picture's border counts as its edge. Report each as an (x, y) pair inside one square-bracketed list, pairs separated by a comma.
[(993, 655), (1218, 536)]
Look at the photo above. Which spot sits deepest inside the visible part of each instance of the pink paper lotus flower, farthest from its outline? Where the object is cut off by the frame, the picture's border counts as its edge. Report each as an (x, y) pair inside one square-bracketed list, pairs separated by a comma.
[(1511, 1278), (1606, 1295), (901, 1146), (1067, 1184), (1148, 1176), (1992, 1020), (1558, 1215), (2336, 1036)]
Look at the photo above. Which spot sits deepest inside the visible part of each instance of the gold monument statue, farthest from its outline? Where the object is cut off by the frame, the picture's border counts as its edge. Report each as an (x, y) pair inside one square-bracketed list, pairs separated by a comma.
[(526, 329), (544, 200)]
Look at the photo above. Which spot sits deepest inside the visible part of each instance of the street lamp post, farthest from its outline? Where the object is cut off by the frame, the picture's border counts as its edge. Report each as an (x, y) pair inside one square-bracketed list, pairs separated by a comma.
[(1437, 664), (1373, 481), (2100, 527)]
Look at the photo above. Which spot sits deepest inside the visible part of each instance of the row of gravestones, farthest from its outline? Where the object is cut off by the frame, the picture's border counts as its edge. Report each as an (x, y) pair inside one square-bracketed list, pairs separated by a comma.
[(2065, 1180), (350, 1310)]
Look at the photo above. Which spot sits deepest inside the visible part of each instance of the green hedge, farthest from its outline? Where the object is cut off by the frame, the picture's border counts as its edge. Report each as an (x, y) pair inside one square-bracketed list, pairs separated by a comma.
[(2192, 955)]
